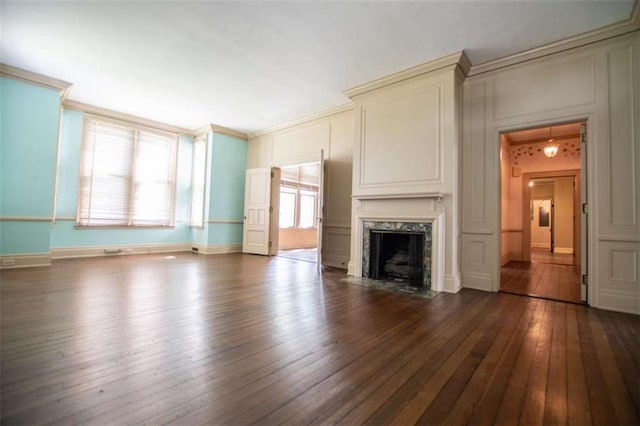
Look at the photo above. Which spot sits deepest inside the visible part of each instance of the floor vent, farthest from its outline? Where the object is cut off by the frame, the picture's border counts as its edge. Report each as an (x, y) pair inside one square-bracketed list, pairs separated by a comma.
[(112, 251)]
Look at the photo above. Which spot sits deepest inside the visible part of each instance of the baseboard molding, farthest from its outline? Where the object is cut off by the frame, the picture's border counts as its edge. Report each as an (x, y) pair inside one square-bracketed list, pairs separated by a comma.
[(540, 246), (619, 302), (452, 283), (335, 260), (216, 248), (96, 251), (351, 268), (563, 250), (505, 258), (31, 260), (477, 281)]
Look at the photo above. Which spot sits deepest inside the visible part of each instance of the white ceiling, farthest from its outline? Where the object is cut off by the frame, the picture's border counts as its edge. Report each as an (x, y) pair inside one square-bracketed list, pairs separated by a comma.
[(253, 65)]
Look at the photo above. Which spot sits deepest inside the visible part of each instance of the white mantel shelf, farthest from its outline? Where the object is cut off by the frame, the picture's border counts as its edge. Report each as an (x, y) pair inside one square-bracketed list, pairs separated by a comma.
[(438, 195)]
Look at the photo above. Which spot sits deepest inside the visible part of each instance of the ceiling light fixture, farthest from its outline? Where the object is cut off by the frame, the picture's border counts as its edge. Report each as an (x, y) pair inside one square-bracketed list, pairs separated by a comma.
[(552, 148)]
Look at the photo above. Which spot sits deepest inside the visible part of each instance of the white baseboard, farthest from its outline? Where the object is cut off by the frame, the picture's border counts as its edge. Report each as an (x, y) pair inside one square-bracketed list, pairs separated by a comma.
[(351, 268), (452, 283), (563, 250), (95, 251), (335, 260), (13, 261), (541, 246), (217, 248), (477, 281)]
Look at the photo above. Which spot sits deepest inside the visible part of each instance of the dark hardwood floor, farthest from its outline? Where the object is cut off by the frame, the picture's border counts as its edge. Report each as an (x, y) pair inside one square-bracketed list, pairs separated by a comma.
[(237, 339), (548, 275)]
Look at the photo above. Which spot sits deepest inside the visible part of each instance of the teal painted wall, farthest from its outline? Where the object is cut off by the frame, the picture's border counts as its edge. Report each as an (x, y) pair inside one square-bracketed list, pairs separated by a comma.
[(226, 194), (28, 143), (64, 234)]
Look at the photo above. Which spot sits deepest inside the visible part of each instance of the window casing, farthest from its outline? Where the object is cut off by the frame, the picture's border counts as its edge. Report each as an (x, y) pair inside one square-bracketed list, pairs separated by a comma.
[(198, 182), (127, 175), (299, 186)]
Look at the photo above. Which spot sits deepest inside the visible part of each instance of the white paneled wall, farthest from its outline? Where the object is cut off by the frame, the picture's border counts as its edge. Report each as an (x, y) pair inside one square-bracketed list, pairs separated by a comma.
[(301, 142), (600, 84)]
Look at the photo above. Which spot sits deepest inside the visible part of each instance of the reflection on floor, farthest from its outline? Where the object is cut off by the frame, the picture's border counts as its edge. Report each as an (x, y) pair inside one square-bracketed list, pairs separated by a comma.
[(307, 255), (549, 275), (545, 256)]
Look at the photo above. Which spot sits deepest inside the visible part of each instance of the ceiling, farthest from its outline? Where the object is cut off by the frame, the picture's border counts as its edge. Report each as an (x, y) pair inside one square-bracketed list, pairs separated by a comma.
[(253, 65)]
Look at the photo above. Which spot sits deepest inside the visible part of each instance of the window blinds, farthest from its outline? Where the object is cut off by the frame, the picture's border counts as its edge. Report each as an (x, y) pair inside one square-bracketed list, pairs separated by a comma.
[(127, 176)]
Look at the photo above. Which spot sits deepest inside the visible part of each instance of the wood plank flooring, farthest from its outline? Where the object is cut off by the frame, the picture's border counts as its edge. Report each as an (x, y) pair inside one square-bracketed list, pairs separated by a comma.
[(239, 339), (541, 279)]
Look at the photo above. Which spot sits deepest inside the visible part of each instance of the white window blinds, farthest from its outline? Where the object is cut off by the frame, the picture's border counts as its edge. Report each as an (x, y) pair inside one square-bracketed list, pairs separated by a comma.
[(127, 175)]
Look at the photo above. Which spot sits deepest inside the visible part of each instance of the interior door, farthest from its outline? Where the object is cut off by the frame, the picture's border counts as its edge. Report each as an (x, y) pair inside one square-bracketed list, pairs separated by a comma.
[(584, 270), (257, 212), (320, 213), (552, 228)]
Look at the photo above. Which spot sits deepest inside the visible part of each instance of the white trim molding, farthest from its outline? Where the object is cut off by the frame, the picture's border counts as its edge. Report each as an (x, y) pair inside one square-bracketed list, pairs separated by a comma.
[(104, 112), (34, 78), (620, 28), (117, 249), (217, 248), (26, 218), (455, 60), (317, 116), (27, 260)]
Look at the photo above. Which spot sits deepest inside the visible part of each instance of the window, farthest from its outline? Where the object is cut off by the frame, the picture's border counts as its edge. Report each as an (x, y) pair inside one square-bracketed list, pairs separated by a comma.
[(198, 182), (299, 196), (127, 175)]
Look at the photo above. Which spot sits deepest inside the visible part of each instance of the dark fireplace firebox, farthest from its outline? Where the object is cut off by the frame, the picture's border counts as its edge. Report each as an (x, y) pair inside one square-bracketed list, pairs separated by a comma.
[(398, 252), (396, 256)]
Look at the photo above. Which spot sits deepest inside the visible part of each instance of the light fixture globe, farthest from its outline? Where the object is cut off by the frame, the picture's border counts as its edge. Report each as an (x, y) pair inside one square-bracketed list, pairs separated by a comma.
[(551, 150)]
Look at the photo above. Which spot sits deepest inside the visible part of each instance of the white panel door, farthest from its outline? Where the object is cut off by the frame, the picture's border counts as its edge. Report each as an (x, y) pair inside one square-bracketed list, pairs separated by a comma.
[(320, 214), (584, 270), (257, 218)]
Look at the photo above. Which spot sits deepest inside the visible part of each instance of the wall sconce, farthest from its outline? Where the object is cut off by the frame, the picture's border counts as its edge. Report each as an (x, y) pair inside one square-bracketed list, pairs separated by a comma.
[(551, 149)]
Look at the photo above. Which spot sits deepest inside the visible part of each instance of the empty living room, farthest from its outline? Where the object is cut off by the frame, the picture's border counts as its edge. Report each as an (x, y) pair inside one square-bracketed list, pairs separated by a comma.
[(320, 212)]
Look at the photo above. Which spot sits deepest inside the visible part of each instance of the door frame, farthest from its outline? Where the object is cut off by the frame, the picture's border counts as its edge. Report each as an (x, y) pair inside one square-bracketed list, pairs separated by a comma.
[(577, 216)]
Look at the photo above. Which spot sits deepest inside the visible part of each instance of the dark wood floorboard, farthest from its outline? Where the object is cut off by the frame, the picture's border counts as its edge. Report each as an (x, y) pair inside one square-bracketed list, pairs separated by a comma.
[(541, 279), (242, 339)]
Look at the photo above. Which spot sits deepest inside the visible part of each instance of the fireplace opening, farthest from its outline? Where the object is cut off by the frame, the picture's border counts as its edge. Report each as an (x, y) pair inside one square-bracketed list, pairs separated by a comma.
[(397, 256)]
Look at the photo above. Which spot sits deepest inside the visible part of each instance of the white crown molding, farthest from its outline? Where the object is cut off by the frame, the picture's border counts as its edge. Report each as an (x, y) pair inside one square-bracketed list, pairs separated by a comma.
[(229, 132), (104, 112), (220, 129), (35, 78), (456, 60), (322, 114), (614, 30)]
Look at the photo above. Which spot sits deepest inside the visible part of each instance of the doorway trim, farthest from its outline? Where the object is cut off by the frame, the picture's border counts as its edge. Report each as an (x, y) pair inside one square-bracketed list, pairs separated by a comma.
[(577, 216)]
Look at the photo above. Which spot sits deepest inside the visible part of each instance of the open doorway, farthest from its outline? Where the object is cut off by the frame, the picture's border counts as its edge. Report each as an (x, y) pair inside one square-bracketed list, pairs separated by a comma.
[(541, 186), (299, 198)]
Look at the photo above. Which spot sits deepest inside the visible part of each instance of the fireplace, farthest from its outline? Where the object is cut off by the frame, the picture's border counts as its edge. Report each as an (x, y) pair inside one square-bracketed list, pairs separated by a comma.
[(398, 251)]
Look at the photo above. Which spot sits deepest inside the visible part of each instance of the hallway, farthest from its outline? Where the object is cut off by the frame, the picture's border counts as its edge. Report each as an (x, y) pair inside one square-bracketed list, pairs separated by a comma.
[(549, 275)]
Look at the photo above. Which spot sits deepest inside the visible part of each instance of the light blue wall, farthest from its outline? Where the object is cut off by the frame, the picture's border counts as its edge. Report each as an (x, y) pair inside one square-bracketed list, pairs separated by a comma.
[(226, 195), (28, 144), (64, 234)]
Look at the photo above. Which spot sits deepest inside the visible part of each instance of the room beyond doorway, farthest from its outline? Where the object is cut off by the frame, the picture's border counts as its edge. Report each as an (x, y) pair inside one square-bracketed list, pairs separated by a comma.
[(542, 235)]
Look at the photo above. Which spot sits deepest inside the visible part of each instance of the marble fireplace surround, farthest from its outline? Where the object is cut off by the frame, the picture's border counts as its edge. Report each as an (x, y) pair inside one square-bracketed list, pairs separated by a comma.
[(378, 215)]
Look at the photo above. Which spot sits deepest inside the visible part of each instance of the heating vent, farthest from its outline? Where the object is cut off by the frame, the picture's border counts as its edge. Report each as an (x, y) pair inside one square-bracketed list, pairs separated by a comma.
[(112, 251), (194, 249)]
